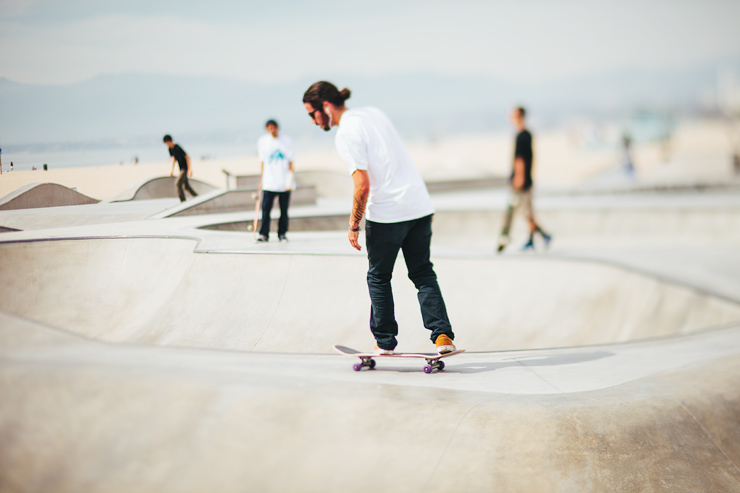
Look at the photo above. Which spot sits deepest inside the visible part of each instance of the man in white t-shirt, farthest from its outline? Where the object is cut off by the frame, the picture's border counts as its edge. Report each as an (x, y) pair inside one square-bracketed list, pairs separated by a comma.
[(390, 193), (276, 155)]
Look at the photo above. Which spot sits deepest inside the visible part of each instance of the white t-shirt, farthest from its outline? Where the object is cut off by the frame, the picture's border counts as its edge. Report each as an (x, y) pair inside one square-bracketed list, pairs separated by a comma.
[(367, 140), (275, 155)]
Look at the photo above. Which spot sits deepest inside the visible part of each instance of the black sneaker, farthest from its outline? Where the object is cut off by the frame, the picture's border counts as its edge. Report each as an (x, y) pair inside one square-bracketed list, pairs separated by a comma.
[(283, 239), (262, 239)]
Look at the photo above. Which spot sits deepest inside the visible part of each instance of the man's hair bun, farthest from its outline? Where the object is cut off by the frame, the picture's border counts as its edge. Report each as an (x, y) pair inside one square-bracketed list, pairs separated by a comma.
[(325, 91)]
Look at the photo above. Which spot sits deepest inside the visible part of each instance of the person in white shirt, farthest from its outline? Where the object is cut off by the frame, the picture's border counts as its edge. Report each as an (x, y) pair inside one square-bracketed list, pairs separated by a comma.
[(392, 197), (276, 155)]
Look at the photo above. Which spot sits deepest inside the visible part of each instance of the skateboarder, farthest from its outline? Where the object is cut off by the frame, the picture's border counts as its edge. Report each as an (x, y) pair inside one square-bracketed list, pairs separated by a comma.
[(276, 155), (521, 184), (391, 195), (183, 160)]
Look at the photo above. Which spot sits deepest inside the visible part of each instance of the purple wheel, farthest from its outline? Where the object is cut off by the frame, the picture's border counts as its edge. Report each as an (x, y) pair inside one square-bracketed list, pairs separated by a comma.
[(357, 366), (427, 369)]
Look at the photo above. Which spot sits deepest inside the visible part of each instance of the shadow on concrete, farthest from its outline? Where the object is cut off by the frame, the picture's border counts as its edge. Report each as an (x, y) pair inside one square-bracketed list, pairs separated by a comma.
[(529, 361), (453, 366)]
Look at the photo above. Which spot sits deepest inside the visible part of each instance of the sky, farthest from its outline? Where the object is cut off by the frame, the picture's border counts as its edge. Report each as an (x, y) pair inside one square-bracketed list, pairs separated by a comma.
[(516, 41)]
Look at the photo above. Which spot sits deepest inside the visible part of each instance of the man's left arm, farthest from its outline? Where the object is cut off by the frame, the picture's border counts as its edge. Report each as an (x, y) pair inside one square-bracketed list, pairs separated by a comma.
[(359, 202), (190, 169)]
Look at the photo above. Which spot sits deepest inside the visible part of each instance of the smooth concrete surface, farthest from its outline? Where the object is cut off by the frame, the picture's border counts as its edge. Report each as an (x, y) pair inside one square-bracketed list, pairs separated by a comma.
[(81, 415), (156, 355), (221, 201), (157, 291), (36, 195), (159, 188), (84, 215)]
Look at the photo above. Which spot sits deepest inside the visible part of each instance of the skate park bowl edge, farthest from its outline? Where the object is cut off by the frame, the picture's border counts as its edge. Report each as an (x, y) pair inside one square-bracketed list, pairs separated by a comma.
[(38, 195), (158, 188), (162, 291)]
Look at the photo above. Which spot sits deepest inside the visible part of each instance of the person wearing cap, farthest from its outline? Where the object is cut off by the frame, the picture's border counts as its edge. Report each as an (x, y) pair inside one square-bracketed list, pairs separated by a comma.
[(392, 197), (276, 155)]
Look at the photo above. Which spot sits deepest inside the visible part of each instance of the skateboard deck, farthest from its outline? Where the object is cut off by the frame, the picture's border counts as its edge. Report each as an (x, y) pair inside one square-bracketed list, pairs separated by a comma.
[(367, 361), (258, 202)]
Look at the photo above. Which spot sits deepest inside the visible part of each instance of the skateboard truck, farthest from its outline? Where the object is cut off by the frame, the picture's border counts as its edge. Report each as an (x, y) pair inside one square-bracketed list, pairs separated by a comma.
[(366, 362), (434, 364)]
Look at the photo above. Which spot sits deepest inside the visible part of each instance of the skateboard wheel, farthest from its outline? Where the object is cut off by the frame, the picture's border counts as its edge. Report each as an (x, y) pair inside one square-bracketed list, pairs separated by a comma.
[(427, 369), (441, 365), (357, 366), (372, 364)]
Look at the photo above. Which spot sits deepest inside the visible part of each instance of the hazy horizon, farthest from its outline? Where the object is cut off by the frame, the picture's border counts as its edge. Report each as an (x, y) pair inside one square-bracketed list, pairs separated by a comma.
[(94, 74)]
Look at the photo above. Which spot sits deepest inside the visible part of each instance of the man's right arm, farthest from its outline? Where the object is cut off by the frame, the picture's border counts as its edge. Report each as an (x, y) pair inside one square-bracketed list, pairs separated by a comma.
[(518, 182), (359, 202)]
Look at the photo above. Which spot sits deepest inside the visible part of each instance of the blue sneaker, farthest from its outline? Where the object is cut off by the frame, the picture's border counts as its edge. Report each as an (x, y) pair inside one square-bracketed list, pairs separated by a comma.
[(528, 246), (547, 239)]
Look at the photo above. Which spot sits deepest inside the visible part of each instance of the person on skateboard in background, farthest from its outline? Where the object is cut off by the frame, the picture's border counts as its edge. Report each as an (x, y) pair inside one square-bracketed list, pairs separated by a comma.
[(276, 157), (183, 160), (521, 184), (390, 193)]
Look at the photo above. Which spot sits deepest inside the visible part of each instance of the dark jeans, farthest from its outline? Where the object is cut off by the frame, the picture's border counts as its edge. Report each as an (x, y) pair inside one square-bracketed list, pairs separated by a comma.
[(182, 183), (268, 198), (383, 243)]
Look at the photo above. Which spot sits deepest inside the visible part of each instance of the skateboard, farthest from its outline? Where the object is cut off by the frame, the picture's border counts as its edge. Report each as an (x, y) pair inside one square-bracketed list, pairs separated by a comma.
[(367, 361), (258, 201)]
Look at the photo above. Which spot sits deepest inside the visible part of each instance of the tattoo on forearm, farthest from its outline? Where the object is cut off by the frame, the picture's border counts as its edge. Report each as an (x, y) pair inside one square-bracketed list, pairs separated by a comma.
[(358, 208)]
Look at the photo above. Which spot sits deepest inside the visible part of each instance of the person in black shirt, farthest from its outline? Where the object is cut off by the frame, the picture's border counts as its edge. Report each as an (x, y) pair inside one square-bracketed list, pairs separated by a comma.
[(521, 184), (182, 158)]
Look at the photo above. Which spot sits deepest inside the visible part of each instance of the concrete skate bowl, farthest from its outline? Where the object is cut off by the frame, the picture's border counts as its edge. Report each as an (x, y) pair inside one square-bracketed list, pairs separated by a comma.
[(481, 228), (80, 415), (159, 188), (467, 230), (221, 201), (161, 292), (38, 195)]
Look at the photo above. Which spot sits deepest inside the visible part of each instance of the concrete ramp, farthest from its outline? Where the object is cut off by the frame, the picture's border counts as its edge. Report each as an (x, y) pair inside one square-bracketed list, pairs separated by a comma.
[(80, 415), (159, 292), (221, 201), (159, 188), (38, 195)]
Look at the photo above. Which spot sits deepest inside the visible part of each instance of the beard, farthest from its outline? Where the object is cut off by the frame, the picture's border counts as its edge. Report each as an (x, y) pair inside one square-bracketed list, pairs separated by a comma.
[(325, 122)]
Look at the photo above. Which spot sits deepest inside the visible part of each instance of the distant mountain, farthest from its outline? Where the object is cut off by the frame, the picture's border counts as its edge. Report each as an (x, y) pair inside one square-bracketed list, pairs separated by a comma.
[(134, 108)]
